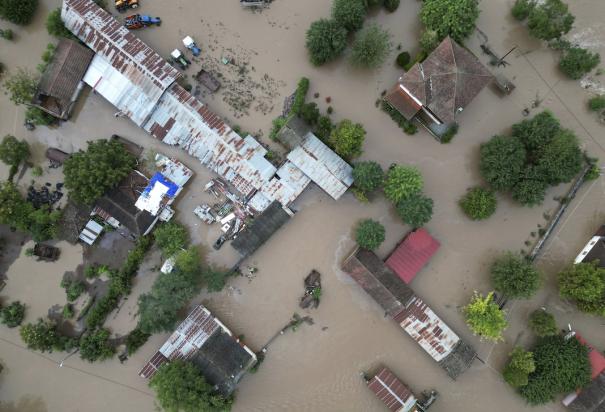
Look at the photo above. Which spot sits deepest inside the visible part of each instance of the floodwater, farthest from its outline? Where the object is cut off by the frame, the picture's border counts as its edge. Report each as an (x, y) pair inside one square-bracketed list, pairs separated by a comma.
[(317, 367)]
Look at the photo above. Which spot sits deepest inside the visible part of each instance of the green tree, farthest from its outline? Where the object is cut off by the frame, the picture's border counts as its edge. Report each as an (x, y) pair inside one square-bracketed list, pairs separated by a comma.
[(89, 174), (368, 176), (14, 210), (502, 161), (73, 289), (13, 151), (550, 20), (95, 346), (39, 117), (180, 387), (371, 47), (171, 237), (18, 11), (479, 203), (391, 5), (55, 26), (429, 40), (324, 128), (402, 182), (349, 14), (521, 364), (537, 132), (515, 276), (485, 318), (542, 323), (309, 113), (44, 223), (562, 366), (561, 159), (403, 59), (576, 62), (415, 210), (369, 234), (597, 103), (214, 278), (522, 8), (40, 336), (21, 86), (325, 41), (347, 139), (530, 190), (13, 314), (135, 339), (584, 283), (454, 18)]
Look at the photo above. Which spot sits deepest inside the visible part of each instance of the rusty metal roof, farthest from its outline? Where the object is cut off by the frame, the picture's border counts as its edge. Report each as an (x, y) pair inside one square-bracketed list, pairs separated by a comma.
[(394, 393), (120, 55)]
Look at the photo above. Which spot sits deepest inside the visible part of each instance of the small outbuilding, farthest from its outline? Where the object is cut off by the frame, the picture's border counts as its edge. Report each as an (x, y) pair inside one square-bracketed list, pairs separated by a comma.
[(392, 392), (594, 249), (412, 254)]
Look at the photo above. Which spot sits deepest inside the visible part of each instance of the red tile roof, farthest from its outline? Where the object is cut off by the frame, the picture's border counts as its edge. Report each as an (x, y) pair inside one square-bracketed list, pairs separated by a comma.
[(412, 254), (597, 360)]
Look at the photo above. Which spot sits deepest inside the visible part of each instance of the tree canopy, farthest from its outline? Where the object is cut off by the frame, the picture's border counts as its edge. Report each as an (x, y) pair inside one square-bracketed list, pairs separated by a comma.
[(415, 210), (485, 318), (55, 25), (89, 174), (585, 284), (180, 387), (517, 370), (502, 161), (349, 14), (562, 366), (542, 323), (515, 276), (371, 47), (550, 20), (171, 237), (402, 182), (479, 203), (347, 139), (325, 41), (18, 11), (43, 336), (95, 346), (13, 151), (369, 234), (454, 18), (13, 314), (368, 176), (21, 86), (576, 62)]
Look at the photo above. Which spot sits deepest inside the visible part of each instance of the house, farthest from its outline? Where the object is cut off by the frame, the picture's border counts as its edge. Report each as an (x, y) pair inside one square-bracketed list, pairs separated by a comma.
[(392, 392), (61, 82), (436, 90), (594, 249), (592, 397), (412, 254), (412, 314), (203, 340)]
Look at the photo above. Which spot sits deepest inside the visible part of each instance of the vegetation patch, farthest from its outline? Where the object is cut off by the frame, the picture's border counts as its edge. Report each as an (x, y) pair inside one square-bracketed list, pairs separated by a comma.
[(369, 234), (478, 203), (485, 318), (404, 124), (514, 276)]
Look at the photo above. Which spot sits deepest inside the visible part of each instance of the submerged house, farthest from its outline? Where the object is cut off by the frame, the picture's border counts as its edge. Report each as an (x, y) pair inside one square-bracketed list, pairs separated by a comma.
[(412, 314), (203, 340), (61, 82), (396, 396), (594, 249), (412, 254), (592, 397), (436, 90)]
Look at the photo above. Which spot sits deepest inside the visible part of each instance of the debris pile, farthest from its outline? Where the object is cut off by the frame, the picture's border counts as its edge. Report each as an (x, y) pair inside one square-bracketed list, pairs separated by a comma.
[(312, 291), (44, 196)]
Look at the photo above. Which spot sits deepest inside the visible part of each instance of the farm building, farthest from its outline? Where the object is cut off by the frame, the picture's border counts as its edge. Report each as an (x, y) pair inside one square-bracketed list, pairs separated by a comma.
[(61, 82), (435, 91), (412, 314), (594, 249), (392, 392), (205, 341), (412, 254)]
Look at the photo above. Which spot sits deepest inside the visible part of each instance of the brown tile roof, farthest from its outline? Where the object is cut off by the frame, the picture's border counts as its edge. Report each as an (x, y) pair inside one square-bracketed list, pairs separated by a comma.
[(392, 392), (62, 76), (447, 80)]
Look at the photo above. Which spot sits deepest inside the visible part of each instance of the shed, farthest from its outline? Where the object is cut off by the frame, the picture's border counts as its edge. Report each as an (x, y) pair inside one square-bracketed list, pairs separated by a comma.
[(412, 254), (91, 232), (594, 250), (261, 229), (61, 82), (392, 392)]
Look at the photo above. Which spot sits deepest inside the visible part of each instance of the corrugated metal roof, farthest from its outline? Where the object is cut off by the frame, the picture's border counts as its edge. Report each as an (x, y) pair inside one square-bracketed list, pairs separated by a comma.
[(147, 73), (322, 165), (412, 254), (390, 390), (173, 170), (427, 329)]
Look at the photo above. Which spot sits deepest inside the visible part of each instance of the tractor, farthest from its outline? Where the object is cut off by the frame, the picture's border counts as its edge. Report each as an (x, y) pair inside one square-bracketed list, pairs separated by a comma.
[(123, 5), (178, 58), (138, 21)]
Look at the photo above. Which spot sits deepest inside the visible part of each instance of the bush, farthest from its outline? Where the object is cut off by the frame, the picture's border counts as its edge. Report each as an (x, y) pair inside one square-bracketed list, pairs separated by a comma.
[(18, 11), (324, 128), (521, 364), (449, 134), (576, 62), (37, 171), (91, 272), (135, 339), (95, 346), (454, 18), (349, 14), (6, 34), (407, 126), (215, 279), (402, 182), (515, 276), (403, 59), (561, 160), (479, 203), (39, 117), (368, 176), (550, 20), (40, 336), (371, 47), (73, 289), (55, 26), (542, 323), (325, 41), (13, 314), (391, 5), (171, 237), (531, 190), (67, 312), (300, 95), (415, 210), (369, 234), (597, 103), (12, 151), (277, 125), (537, 132), (310, 113), (429, 40), (593, 173), (347, 139), (485, 318), (585, 284), (502, 161), (522, 8)]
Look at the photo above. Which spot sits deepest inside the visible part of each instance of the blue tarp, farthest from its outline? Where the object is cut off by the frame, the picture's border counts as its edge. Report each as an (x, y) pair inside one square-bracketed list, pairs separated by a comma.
[(160, 178)]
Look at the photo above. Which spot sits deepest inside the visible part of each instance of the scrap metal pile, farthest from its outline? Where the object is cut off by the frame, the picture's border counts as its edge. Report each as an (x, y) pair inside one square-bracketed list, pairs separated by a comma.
[(44, 196)]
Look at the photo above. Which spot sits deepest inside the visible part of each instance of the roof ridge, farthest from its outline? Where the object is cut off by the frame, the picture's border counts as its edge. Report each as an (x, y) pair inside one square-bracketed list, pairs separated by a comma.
[(451, 42)]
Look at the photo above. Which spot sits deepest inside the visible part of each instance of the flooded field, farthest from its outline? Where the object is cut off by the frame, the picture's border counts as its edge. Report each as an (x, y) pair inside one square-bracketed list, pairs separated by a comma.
[(317, 368)]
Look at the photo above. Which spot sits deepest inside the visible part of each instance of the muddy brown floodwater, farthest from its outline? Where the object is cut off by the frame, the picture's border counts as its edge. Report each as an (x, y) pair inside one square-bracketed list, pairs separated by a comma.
[(317, 367)]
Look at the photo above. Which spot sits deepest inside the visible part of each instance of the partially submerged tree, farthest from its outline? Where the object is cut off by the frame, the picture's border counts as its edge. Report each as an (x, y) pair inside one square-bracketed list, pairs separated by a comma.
[(576, 62), (89, 174), (454, 18), (171, 237), (515, 276), (522, 8), (215, 278), (13, 151), (55, 25), (391, 5), (13, 314), (478, 203), (368, 176), (347, 139), (542, 323), (350, 14), (18, 11), (325, 41), (517, 370), (369, 234), (180, 387), (550, 20), (43, 336), (485, 318), (21, 86), (585, 284), (415, 210), (371, 47), (502, 161), (95, 346), (402, 182)]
